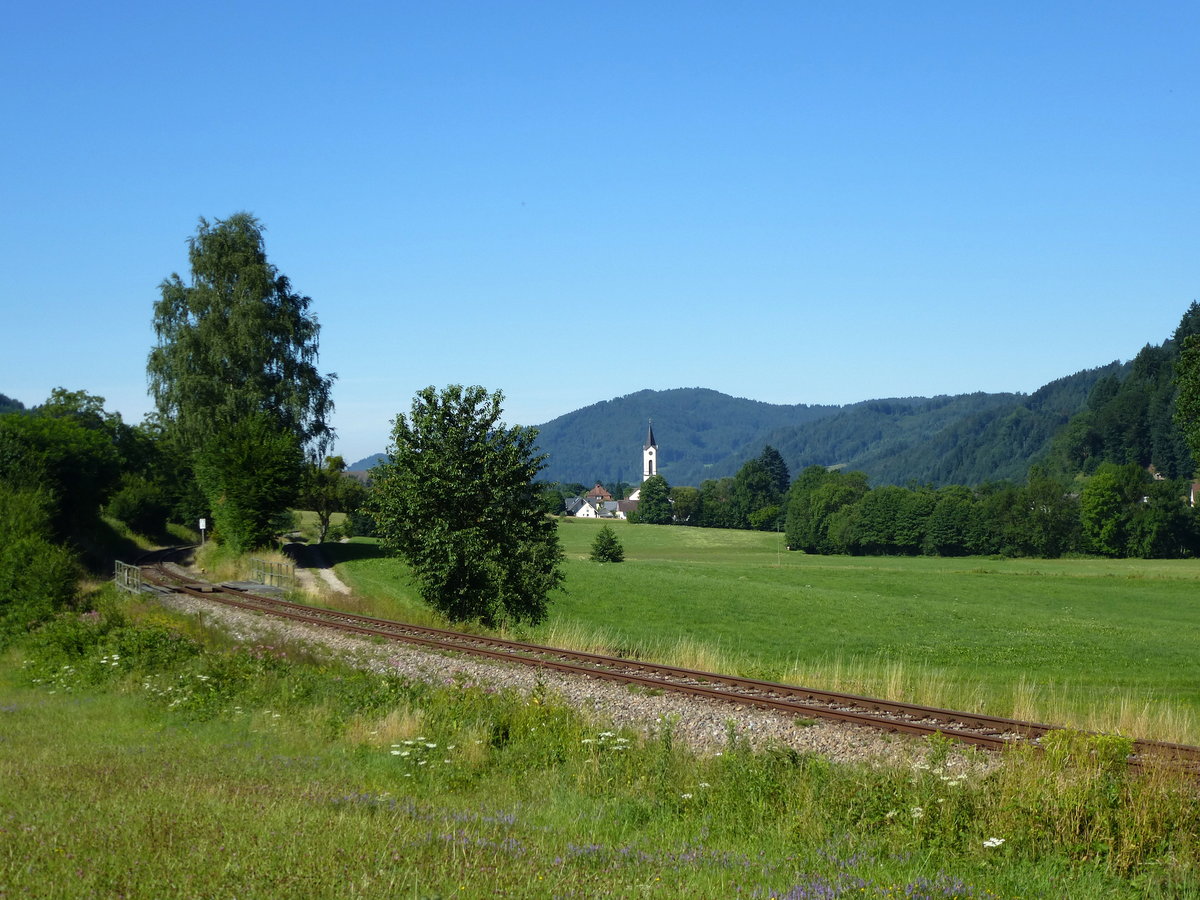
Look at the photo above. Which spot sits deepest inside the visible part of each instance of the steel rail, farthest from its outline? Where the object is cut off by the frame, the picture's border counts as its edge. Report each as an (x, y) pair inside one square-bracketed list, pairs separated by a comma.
[(993, 732)]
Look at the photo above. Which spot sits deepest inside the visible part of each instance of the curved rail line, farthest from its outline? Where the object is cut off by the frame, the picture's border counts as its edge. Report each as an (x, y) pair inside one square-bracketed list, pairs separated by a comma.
[(990, 732)]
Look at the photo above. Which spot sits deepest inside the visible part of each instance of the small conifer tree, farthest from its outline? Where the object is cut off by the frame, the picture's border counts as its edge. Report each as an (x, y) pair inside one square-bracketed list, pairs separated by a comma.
[(607, 546)]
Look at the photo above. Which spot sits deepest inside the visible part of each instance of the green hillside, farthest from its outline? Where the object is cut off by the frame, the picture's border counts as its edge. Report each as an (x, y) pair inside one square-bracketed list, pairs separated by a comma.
[(702, 434)]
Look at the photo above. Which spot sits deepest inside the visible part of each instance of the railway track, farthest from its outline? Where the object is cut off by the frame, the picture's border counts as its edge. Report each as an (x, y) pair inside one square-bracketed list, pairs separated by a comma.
[(989, 732)]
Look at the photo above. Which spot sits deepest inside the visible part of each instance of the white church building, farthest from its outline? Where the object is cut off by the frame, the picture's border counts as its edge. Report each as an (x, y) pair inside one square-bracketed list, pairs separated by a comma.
[(599, 504)]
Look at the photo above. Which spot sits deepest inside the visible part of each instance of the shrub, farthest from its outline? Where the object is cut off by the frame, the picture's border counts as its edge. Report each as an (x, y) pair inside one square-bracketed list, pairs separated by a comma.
[(607, 546), (37, 576), (140, 505)]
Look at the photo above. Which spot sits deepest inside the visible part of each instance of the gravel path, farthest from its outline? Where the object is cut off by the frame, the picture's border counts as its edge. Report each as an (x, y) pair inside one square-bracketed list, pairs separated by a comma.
[(701, 724), (312, 564)]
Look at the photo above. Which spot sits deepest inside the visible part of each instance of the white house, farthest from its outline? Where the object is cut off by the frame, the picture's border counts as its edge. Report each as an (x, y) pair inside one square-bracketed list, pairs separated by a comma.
[(599, 503)]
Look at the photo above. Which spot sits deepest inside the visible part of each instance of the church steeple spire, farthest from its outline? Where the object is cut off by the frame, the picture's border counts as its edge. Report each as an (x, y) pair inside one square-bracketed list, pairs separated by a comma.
[(649, 452)]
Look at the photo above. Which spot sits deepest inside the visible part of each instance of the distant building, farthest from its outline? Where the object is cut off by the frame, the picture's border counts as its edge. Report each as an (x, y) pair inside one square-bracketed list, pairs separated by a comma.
[(598, 503), (649, 451), (598, 493)]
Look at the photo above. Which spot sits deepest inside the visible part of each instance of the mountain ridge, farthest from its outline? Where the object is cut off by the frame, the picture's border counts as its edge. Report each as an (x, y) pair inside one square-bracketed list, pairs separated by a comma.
[(705, 434)]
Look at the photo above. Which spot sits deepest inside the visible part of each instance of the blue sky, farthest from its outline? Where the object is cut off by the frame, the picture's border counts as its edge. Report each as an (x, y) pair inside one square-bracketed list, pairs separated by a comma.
[(793, 202)]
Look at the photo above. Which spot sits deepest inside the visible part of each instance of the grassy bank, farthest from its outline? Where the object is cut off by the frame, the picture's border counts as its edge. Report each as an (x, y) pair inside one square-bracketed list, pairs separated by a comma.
[(144, 757), (1099, 644)]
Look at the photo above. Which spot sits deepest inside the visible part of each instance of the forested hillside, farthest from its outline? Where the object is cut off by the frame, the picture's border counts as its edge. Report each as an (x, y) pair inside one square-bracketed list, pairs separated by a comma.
[(969, 439), (8, 404), (1129, 417), (702, 434)]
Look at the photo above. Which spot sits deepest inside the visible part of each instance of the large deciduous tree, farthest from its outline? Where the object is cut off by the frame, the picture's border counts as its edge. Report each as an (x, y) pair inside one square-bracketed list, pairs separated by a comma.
[(654, 503), (74, 466), (756, 498), (457, 500), (236, 354), (1108, 505), (821, 507), (328, 490)]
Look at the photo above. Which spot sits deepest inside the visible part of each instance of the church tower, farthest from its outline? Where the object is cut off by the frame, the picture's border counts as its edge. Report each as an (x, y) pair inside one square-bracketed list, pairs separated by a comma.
[(649, 453)]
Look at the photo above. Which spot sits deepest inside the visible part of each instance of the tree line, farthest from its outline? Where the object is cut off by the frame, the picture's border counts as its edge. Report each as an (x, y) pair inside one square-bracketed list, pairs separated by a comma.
[(1115, 480), (1118, 511)]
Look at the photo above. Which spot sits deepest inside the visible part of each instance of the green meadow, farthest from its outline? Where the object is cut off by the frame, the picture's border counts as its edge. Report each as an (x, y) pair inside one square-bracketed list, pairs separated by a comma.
[(1098, 644), (145, 754)]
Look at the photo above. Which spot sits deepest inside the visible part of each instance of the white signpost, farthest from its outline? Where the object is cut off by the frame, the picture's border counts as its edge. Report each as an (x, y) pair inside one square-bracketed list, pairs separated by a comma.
[(203, 525)]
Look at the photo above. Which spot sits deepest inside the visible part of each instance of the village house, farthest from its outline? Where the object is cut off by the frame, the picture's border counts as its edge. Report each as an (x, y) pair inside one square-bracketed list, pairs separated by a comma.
[(598, 503)]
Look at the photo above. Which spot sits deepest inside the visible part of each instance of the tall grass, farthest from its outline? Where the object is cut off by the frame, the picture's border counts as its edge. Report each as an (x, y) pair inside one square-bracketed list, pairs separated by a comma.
[(182, 766), (1095, 644)]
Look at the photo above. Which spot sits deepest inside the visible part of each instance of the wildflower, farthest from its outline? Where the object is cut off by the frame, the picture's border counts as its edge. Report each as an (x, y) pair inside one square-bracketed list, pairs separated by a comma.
[(396, 753), (993, 842), (917, 812), (431, 746), (686, 796), (890, 814), (705, 784)]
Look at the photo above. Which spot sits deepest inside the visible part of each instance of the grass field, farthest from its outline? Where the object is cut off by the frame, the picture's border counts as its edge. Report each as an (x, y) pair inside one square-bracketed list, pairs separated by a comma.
[(1103, 644), (144, 755)]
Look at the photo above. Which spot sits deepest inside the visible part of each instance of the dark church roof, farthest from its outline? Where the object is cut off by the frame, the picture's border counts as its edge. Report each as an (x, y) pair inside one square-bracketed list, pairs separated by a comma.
[(650, 442)]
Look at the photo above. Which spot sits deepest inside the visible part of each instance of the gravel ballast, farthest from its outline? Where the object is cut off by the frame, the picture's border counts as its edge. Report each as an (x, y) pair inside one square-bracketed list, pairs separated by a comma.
[(703, 725)]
